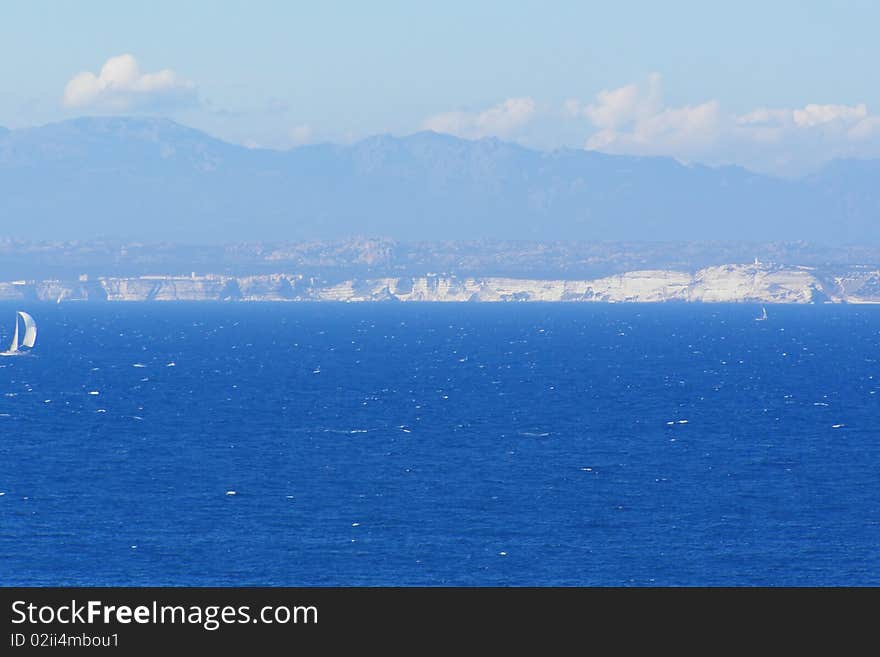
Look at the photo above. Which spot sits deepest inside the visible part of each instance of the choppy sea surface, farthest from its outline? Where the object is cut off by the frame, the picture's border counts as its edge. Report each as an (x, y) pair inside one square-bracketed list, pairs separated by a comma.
[(430, 444)]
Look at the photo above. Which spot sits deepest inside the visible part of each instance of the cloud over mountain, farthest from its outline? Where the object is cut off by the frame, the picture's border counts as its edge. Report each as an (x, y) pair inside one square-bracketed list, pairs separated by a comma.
[(635, 120), (120, 86), (501, 120)]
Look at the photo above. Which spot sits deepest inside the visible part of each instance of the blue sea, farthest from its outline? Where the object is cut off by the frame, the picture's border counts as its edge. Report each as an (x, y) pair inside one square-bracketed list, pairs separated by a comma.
[(432, 444)]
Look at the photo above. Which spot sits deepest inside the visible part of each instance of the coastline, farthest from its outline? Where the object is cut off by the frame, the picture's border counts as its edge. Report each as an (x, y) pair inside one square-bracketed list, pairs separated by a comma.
[(731, 283)]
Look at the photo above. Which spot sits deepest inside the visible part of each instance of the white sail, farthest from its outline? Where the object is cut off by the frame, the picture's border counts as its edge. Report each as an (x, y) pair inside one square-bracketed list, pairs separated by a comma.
[(30, 329), (14, 346)]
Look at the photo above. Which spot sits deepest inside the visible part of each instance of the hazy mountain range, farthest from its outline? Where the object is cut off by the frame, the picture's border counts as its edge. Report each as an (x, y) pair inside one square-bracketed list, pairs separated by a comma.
[(153, 179)]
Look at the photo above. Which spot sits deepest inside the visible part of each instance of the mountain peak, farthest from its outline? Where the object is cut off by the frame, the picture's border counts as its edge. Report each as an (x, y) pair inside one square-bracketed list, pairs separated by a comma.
[(127, 127)]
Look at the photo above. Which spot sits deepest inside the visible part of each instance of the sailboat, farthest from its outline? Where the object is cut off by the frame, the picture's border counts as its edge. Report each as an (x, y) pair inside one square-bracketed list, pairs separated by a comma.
[(30, 335), (763, 315)]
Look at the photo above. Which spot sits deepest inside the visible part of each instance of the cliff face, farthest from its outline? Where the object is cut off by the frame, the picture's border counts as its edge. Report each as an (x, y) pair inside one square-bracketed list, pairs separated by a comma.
[(860, 286), (755, 283), (162, 289), (720, 284)]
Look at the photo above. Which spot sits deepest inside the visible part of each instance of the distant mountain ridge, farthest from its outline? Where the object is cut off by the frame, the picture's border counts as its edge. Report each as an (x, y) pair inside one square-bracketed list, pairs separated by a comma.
[(153, 179)]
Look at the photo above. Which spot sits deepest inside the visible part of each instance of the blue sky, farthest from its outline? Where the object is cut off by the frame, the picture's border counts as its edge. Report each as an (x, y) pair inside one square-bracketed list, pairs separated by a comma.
[(776, 86)]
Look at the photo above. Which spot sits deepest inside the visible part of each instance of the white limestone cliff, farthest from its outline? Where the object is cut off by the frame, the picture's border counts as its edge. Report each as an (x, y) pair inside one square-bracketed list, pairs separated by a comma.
[(753, 283)]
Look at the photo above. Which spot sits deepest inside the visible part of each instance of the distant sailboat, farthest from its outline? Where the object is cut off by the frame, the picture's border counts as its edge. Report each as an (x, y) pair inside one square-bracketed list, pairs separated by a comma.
[(763, 315), (30, 335)]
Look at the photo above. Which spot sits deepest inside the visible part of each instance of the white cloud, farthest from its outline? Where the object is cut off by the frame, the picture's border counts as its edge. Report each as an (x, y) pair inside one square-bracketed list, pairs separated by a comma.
[(634, 120), (120, 86), (687, 130), (813, 115), (617, 107), (865, 129), (764, 116), (300, 134), (502, 120)]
